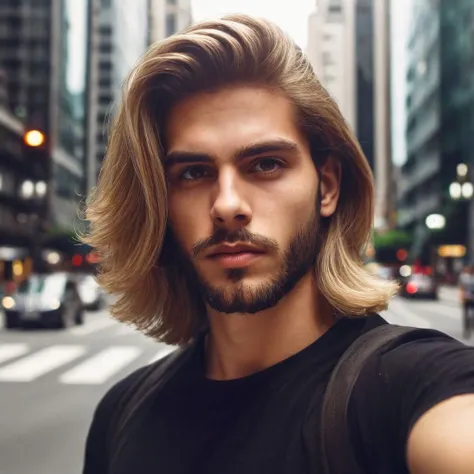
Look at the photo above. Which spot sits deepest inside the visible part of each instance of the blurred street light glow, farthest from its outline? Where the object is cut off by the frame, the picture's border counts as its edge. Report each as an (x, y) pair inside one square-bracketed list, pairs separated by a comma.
[(34, 138), (467, 190), (8, 302), (435, 222), (461, 170), (405, 271), (17, 268), (53, 258), (41, 188), (27, 189), (455, 190)]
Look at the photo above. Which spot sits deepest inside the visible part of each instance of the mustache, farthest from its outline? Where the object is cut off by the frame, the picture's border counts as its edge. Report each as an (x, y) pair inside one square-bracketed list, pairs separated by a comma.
[(223, 236)]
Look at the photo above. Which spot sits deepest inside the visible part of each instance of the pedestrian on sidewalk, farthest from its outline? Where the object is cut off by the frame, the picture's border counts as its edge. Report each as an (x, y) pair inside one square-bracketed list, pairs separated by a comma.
[(230, 217), (466, 294)]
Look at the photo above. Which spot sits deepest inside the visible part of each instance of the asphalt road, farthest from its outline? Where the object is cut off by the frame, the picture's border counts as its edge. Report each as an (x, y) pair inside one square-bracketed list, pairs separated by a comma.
[(51, 381)]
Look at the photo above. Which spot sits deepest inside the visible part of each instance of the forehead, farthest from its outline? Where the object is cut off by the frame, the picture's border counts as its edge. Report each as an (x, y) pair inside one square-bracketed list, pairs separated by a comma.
[(222, 121)]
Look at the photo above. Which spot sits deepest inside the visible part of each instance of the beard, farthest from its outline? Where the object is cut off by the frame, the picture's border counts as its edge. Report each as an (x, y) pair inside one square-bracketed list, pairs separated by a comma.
[(237, 297)]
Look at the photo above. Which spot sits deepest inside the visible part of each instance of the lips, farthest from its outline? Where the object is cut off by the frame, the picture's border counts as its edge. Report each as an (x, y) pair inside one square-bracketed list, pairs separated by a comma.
[(235, 256), (224, 250)]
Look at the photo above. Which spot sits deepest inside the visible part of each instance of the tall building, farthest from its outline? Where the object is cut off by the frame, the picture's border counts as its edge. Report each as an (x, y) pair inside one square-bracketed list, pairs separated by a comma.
[(45, 62), (348, 45), (331, 51), (440, 120), (123, 38), (168, 17)]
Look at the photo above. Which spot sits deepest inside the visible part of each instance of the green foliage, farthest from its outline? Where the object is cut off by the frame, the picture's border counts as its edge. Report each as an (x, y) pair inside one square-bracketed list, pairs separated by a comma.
[(392, 239)]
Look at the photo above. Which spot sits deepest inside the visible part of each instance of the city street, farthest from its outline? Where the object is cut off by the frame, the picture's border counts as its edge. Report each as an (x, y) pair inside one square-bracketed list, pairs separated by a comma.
[(50, 381)]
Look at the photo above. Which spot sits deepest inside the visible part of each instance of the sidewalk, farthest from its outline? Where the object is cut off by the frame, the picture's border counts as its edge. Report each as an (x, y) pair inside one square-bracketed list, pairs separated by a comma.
[(449, 294)]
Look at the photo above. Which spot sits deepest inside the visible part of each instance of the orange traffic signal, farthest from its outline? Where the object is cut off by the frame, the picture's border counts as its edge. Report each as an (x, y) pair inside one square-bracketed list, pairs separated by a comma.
[(34, 138)]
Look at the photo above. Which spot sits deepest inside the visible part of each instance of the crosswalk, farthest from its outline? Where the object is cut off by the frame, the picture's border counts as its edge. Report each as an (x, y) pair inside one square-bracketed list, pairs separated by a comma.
[(100, 351), (20, 363)]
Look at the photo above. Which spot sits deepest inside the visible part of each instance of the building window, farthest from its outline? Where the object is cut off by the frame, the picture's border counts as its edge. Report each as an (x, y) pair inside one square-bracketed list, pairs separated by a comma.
[(105, 30), (335, 8), (105, 99), (105, 48), (170, 24), (105, 66), (105, 82), (327, 58)]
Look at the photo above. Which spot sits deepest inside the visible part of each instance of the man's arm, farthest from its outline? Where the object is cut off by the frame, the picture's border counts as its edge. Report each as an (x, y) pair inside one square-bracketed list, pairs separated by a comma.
[(442, 440)]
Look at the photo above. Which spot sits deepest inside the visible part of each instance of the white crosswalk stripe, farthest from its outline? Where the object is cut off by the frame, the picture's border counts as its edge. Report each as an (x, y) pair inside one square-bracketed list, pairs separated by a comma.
[(403, 315), (164, 351), (124, 330), (102, 366), (13, 350), (40, 363)]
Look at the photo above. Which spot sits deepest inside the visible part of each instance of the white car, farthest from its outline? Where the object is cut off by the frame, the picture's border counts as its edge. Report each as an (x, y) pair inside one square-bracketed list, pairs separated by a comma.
[(90, 292)]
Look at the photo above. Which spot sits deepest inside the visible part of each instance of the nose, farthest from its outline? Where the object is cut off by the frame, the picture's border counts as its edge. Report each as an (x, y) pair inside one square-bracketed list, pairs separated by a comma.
[(229, 207)]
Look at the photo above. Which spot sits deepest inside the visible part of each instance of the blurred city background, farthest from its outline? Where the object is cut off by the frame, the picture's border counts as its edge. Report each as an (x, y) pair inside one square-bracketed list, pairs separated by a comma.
[(402, 74)]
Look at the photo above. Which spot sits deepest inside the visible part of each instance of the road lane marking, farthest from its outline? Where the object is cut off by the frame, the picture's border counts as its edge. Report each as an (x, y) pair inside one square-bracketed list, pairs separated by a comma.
[(412, 318), (435, 308), (92, 327), (10, 351), (164, 351), (102, 366), (40, 363), (393, 318), (124, 330)]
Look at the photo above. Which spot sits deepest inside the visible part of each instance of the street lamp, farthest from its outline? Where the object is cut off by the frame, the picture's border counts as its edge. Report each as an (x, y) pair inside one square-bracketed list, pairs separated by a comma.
[(461, 189), (435, 222)]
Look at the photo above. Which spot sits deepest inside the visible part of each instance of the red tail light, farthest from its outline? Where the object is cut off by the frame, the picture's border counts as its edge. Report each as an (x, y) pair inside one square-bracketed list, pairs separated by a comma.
[(411, 288)]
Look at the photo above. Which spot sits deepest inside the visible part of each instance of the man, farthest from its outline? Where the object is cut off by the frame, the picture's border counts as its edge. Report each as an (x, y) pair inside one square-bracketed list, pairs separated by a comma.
[(231, 213), (466, 291)]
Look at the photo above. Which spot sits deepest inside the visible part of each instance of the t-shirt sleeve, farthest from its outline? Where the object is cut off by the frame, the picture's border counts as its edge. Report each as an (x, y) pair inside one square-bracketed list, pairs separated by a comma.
[(96, 451), (400, 384)]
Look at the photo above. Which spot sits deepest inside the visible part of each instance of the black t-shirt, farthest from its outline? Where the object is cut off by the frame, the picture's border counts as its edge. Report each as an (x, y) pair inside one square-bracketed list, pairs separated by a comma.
[(269, 422)]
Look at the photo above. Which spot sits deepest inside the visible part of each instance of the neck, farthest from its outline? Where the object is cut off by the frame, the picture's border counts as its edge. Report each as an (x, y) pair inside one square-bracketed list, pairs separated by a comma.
[(242, 344)]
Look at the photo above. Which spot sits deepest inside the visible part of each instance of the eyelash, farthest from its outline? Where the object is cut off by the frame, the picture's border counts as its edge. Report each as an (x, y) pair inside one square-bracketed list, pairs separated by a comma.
[(276, 161)]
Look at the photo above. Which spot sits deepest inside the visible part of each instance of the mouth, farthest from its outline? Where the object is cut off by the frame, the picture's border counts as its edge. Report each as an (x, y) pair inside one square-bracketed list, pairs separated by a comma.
[(235, 256)]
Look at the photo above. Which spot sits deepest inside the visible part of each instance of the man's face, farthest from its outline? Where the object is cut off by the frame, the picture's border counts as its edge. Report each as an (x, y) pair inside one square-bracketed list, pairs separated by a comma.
[(243, 195)]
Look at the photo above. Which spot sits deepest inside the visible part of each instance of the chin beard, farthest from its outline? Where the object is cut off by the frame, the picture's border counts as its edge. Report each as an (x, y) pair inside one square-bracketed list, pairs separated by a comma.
[(237, 297)]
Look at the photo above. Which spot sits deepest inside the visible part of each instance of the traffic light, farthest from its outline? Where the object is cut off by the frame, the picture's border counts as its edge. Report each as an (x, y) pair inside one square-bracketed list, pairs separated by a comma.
[(34, 138)]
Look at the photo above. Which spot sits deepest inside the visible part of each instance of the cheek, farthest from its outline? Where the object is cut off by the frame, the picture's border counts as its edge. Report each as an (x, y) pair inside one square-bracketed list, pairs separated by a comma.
[(188, 219)]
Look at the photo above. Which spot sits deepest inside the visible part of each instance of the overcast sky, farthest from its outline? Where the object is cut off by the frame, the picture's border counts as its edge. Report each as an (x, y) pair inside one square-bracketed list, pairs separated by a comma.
[(291, 16)]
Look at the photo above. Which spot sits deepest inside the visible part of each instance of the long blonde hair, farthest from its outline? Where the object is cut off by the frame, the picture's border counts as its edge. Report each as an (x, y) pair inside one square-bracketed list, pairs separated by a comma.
[(128, 209)]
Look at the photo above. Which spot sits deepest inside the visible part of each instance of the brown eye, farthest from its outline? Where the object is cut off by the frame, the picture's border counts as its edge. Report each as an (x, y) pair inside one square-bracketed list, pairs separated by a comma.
[(267, 165), (192, 173)]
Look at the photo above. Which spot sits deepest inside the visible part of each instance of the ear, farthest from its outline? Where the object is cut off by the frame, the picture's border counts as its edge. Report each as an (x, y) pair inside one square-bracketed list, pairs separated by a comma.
[(330, 176)]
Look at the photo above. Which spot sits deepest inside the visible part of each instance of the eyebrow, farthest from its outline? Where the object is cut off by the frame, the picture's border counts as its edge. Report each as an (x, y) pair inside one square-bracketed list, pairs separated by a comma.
[(259, 148)]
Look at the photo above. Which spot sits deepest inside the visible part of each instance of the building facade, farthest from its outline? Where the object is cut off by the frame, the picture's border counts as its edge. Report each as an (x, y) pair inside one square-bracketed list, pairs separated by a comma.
[(331, 51), (167, 17), (123, 38), (45, 67), (440, 120), (349, 47)]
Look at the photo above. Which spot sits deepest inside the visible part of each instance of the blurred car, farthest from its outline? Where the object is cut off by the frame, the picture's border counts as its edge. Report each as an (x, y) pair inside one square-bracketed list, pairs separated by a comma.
[(385, 272), (420, 285), (49, 300), (91, 293)]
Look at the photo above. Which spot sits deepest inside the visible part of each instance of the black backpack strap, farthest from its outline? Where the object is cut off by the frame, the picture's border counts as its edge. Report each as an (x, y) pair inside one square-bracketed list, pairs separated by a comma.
[(337, 453), (151, 380)]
